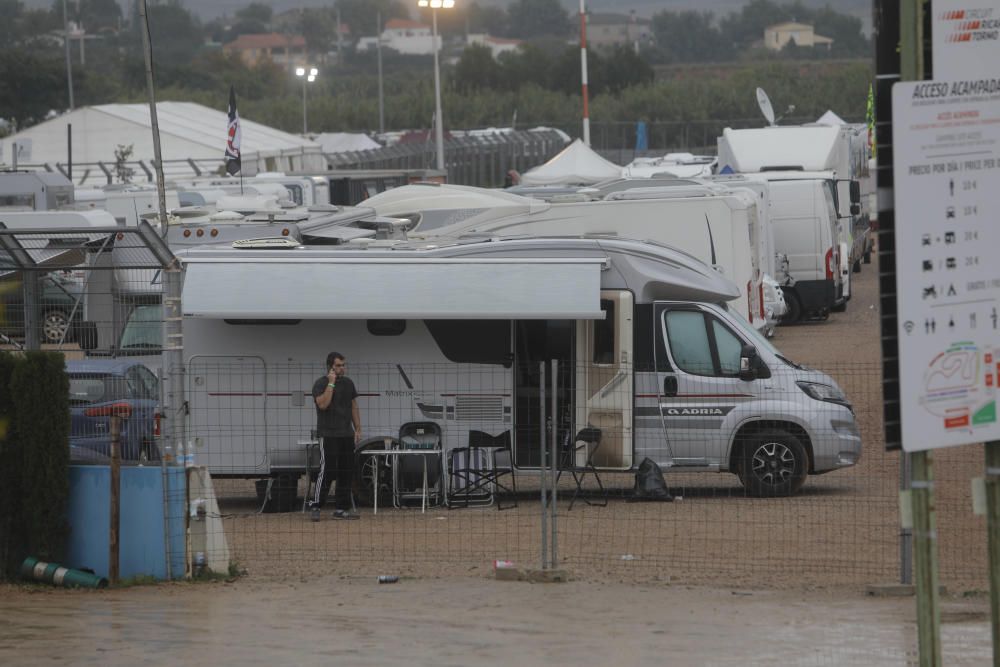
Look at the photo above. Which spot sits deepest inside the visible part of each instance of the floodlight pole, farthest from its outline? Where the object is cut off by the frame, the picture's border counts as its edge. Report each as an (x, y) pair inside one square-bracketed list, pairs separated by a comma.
[(378, 51), (69, 62), (438, 123), (583, 72)]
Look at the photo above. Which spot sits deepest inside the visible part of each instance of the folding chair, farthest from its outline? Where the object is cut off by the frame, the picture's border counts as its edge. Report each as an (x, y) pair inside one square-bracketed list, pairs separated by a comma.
[(408, 471), (479, 473), (587, 442)]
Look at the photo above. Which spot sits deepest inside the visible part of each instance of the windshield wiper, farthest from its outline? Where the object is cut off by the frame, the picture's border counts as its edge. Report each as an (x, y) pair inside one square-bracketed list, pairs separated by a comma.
[(791, 363)]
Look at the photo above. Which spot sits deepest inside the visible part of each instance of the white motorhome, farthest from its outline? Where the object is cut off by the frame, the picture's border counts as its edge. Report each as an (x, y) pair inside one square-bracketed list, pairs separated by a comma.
[(804, 226), (840, 153), (454, 334), (303, 190), (718, 226)]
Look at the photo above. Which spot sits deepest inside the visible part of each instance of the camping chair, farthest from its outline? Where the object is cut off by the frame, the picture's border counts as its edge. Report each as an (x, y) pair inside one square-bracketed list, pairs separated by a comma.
[(408, 471), (479, 473), (586, 442)]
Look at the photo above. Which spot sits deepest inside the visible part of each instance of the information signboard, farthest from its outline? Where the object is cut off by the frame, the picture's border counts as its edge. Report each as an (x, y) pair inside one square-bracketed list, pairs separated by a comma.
[(946, 143)]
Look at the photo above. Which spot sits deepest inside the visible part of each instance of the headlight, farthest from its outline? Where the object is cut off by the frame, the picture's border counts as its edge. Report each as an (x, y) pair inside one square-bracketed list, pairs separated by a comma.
[(824, 392)]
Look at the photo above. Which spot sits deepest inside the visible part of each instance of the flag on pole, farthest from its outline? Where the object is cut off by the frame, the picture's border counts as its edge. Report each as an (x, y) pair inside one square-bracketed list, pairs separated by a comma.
[(233, 161), (870, 119)]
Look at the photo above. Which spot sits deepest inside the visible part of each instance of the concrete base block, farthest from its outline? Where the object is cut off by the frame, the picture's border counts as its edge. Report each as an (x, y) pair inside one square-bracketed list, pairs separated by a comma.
[(548, 576), (510, 574), (896, 590)]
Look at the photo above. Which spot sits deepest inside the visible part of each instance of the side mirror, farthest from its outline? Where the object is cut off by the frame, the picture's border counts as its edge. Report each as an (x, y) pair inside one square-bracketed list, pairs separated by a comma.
[(855, 209), (748, 366), (855, 194)]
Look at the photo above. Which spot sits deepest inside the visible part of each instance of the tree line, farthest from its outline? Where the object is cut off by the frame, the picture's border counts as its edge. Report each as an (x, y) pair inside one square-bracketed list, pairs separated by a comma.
[(539, 83)]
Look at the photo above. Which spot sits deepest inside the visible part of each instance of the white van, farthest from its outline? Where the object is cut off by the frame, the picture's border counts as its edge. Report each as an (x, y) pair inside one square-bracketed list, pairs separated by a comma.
[(804, 223), (455, 334)]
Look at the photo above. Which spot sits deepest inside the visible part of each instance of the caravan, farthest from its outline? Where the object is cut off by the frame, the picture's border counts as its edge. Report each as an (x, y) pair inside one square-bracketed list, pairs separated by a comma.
[(649, 354)]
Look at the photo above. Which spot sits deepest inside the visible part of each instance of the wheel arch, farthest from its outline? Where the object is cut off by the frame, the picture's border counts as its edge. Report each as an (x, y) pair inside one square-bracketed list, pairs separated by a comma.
[(757, 426)]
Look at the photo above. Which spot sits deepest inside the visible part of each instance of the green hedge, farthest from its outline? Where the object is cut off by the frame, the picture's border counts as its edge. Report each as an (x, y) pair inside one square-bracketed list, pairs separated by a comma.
[(34, 457)]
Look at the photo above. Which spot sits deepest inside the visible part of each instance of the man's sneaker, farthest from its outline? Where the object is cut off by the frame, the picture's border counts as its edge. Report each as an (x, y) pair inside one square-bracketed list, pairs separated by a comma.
[(345, 514), (315, 514)]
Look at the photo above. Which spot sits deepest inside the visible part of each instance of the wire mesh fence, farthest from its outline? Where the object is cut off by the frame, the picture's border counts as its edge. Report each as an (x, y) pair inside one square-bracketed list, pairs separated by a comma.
[(840, 528)]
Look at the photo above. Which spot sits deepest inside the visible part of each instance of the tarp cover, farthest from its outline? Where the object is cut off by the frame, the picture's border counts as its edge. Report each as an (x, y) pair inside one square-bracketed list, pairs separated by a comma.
[(577, 164), (394, 289)]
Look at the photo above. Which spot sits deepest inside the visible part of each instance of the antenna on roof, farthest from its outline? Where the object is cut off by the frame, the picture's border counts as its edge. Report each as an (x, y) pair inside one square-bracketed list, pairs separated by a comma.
[(711, 241)]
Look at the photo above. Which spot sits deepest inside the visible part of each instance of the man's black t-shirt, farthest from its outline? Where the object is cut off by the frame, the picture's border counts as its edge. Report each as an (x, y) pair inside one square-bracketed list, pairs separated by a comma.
[(335, 421)]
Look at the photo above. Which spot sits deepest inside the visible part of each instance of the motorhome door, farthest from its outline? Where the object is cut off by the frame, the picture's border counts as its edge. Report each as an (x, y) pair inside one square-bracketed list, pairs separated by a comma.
[(604, 379)]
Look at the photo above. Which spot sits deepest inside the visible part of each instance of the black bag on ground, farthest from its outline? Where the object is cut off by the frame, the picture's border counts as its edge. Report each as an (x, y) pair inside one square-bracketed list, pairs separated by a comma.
[(649, 483)]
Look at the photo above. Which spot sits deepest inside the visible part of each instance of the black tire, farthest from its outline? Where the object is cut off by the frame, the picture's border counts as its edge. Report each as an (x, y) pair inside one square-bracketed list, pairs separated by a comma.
[(773, 464), (794, 313), (867, 258), (364, 467), (856, 267), (839, 307), (55, 326)]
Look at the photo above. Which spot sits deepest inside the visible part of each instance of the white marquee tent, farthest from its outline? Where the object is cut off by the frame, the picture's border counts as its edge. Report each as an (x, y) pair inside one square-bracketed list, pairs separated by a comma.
[(577, 164), (188, 131), (343, 142)]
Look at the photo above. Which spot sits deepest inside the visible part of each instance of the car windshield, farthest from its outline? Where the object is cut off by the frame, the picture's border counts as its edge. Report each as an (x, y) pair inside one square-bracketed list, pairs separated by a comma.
[(144, 329), (87, 389)]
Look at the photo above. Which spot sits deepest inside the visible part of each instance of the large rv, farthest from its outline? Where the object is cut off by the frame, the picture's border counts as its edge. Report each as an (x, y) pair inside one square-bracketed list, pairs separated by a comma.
[(454, 333)]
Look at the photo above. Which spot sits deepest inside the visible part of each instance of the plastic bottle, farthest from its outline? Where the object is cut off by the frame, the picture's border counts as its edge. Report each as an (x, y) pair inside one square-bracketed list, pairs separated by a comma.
[(387, 579)]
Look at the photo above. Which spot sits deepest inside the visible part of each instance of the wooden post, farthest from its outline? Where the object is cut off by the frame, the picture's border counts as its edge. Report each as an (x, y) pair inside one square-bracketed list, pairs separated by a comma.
[(993, 539), (925, 560), (116, 465)]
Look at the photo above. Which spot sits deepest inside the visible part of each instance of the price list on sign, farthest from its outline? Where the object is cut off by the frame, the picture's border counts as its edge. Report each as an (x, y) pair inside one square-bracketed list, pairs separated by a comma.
[(946, 143)]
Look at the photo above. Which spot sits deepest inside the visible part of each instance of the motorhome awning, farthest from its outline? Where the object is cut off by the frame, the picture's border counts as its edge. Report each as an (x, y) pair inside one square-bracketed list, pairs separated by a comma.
[(349, 288)]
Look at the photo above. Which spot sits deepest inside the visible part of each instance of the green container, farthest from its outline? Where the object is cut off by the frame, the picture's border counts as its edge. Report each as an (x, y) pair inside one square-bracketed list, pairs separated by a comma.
[(33, 569)]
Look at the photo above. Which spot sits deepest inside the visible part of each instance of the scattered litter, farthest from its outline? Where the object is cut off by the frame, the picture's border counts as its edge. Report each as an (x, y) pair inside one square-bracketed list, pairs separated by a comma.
[(440, 518), (501, 564), (387, 579), (628, 557)]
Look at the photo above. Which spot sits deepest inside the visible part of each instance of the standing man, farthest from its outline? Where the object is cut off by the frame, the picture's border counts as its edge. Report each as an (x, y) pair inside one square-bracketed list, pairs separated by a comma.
[(338, 425)]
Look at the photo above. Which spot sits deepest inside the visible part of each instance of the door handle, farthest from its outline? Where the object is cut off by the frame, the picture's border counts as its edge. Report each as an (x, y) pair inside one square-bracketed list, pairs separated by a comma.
[(670, 385)]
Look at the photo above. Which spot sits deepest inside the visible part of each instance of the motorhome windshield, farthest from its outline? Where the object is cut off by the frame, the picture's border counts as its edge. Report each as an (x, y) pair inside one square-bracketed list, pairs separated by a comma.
[(758, 338), (144, 329)]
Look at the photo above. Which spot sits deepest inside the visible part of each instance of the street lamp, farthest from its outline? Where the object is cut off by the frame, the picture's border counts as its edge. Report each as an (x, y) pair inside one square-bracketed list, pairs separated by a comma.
[(438, 122), (306, 76)]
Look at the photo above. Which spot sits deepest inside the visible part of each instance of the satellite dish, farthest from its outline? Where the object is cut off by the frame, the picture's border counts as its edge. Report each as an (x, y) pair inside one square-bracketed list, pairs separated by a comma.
[(764, 102)]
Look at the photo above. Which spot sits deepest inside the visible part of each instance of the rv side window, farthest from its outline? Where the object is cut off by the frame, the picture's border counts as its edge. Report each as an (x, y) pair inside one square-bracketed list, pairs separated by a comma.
[(689, 342), (295, 191), (386, 327), (472, 341), (604, 334)]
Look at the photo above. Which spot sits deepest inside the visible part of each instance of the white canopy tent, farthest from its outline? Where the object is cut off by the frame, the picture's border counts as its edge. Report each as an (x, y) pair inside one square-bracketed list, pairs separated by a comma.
[(188, 131), (342, 142), (830, 118), (577, 164)]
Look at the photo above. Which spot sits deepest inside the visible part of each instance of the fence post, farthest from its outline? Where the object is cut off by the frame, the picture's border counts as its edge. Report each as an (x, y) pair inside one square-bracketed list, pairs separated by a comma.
[(32, 335), (554, 460), (992, 479), (541, 433), (116, 467), (905, 531), (925, 559)]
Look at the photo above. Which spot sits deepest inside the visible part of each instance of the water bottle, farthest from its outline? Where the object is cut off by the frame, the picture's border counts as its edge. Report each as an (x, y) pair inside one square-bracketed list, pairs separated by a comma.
[(387, 579), (199, 563)]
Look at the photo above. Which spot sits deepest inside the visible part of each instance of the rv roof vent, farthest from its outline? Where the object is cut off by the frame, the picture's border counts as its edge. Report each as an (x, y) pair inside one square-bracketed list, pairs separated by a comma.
[(569, 198), (266, 243), (324, 208), (225, 216)]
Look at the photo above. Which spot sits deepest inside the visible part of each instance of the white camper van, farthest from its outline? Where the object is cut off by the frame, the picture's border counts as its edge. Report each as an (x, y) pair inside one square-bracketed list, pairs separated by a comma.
[(804, 227), (454, 333), (841, 153), (718, 226)]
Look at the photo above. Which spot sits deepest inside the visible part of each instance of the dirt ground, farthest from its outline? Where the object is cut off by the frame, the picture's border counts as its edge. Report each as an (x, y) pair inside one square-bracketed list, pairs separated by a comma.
[(461, 621)]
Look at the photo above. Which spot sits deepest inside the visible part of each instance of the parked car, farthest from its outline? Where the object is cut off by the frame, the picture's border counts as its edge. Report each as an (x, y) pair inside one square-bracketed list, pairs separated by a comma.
[(97, 384), (57, 307)]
